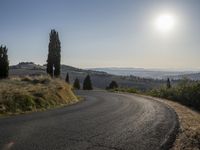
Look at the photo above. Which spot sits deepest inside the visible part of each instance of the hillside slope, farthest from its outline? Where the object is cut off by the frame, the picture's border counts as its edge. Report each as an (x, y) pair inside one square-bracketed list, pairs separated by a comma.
[(99, 79)]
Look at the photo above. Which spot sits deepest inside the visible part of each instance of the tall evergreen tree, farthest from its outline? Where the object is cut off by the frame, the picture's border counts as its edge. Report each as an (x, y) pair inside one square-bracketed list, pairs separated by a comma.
[(76, 84), (54, 56), (4, 63), (67, 78), (87, 84), (168, 83)]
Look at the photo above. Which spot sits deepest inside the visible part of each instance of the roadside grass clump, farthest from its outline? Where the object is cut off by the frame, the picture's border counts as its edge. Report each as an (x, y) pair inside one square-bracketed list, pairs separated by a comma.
[(19, 95), (185, 93), (16, 102)]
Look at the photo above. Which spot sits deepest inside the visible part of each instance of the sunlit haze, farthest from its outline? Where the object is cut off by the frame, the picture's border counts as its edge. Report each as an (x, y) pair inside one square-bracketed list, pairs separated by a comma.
[(104, 33), (165, 22)]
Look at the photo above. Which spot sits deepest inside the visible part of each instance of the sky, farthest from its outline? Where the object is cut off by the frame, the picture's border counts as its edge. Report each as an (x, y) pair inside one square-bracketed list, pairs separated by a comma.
[(103, 33)]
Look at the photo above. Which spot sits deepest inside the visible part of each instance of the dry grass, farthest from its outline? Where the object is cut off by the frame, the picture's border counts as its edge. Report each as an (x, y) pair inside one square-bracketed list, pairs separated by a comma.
[(33, 93)]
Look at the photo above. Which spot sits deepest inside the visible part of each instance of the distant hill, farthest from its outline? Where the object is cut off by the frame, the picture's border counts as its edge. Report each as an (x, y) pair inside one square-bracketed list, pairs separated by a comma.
[(27, 68), (150, 73), (193, 76), (100, 79)]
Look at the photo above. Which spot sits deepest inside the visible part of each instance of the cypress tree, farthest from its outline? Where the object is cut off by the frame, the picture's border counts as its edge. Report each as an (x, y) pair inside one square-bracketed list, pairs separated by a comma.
[(113, 85), (4, 63), (76, 84), (67, 78), (168, 83), (54, 55), (87, 84)]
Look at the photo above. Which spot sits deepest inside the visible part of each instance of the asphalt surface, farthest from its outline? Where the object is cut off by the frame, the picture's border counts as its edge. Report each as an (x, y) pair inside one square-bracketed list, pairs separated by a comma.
[(103, 121)]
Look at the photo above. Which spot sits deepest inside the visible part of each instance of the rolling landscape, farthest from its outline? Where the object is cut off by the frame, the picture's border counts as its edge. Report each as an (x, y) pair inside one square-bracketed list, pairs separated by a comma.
[(99, 75), (100, 79), (152, 73)]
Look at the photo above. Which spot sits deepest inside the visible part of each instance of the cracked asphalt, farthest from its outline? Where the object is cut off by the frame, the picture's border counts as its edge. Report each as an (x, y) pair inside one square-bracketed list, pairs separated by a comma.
[(103, 121)]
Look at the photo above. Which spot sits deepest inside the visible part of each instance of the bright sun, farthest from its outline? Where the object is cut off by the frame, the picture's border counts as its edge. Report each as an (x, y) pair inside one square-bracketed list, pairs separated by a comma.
[(165, 22)]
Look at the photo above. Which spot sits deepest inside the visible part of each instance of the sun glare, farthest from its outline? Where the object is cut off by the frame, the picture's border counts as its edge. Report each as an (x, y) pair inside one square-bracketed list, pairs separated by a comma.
[(165, 22)]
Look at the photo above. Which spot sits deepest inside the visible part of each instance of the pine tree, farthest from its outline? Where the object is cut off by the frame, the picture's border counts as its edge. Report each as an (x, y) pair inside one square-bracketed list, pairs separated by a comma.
[(87, 84), (54, 56), (168, 83), (67, 78), (4, 63), (113, 85), (76, 84)]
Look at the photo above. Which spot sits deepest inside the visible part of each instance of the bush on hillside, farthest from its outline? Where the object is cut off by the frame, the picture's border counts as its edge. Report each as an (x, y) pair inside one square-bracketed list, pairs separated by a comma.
[(87, 83), (185, 93), (77, 84), (112, 85)]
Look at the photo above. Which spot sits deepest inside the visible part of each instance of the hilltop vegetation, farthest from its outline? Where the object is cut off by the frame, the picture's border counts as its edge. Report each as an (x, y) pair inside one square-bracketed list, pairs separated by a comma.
[(33, 93)]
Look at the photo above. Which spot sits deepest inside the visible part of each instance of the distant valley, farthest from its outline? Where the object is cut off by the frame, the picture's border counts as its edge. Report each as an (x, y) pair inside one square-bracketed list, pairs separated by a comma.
[(152, 73)]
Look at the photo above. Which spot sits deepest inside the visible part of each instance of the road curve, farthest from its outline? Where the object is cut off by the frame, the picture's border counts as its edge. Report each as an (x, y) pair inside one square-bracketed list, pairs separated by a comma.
[(104, 121)]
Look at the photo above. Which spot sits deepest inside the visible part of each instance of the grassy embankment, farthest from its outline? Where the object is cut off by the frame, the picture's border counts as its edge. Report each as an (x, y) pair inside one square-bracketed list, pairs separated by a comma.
[(20, 95), (187, 94)]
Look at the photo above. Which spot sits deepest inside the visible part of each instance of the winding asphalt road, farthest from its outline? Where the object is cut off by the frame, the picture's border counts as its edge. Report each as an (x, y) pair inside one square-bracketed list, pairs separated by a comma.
[(104, 121)]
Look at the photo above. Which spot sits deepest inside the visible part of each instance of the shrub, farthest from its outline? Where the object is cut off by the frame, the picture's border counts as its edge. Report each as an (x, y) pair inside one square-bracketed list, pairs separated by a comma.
[(18, 102), (87, 83), (187, 94), (76, 84), (112, 85)]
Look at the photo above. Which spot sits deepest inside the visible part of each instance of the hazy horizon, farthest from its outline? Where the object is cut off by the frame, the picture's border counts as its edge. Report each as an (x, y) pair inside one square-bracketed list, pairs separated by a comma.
[(121, 68), (104, 33), (152, 69)]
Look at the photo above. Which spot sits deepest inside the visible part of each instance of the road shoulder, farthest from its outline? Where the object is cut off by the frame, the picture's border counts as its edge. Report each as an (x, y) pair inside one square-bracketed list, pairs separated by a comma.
[(189, 131)]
